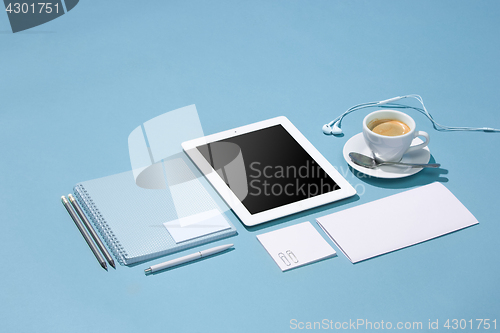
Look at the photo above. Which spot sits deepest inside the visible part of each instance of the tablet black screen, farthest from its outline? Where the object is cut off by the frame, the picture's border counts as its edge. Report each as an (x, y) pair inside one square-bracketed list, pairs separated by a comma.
[(267, 168)]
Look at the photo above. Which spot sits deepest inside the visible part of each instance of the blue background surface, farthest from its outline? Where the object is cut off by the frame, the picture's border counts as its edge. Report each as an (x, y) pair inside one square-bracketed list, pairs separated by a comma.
[(73, 89)]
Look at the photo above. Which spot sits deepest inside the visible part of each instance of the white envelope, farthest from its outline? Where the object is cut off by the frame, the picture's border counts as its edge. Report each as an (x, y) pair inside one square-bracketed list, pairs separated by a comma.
[(396, 221)]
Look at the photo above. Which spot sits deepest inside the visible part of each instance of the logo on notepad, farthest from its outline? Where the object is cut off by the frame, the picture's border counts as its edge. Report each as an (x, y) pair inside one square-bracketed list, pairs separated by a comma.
[(26, 14)]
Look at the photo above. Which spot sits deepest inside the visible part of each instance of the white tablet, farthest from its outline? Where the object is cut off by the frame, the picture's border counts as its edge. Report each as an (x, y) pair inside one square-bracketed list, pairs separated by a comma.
[(267, 170)]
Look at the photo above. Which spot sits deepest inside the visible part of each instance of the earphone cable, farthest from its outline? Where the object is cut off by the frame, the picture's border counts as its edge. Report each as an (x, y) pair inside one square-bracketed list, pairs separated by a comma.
[(423, 110)]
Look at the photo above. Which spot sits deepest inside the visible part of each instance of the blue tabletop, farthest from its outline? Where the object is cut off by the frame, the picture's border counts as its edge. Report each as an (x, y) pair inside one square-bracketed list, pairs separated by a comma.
[(72, 90)]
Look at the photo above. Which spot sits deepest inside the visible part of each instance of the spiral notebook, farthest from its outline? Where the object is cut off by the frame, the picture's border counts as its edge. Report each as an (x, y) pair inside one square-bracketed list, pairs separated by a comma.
[(162, 205), (131, 219)]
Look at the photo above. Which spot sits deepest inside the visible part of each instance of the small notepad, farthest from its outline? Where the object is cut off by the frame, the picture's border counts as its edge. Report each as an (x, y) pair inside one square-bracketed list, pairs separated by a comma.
[(196, 225), (296, 246)]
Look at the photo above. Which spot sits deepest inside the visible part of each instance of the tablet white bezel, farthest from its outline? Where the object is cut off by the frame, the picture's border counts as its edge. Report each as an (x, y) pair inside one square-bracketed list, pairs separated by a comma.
[(345, 191)]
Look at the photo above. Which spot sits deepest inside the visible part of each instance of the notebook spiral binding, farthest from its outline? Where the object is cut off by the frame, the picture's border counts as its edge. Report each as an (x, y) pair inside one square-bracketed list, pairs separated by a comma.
[(100, 223)]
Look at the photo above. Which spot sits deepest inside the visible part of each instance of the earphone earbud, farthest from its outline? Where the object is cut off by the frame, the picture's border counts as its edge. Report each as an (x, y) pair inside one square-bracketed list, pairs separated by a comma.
[(336, 129), (329, 130)]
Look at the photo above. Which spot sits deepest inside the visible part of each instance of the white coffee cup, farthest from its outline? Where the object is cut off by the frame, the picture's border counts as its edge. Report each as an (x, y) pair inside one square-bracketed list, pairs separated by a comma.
[(392, 148)]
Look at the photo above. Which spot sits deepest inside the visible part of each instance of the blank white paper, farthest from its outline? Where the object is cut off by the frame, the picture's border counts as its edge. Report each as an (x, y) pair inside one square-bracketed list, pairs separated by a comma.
[(397, 221)]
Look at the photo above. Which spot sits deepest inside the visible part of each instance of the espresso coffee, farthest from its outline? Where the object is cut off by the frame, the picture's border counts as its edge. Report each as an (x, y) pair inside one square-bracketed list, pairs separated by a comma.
[(388, 127)]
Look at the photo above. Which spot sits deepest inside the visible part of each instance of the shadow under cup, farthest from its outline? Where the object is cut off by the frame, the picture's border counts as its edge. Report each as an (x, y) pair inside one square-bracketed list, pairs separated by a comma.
[(392, 148)]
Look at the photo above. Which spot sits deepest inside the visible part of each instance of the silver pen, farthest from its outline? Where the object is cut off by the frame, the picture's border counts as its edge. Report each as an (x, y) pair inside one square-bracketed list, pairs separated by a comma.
[(94, 235), (84, 232), (188, 258)]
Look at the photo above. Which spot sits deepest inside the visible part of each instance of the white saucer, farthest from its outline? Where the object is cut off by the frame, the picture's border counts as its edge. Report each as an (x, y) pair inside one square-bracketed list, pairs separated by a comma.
[(357, 144)]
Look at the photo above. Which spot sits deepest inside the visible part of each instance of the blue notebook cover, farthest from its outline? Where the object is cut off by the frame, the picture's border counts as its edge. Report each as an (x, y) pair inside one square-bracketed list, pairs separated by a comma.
[(130, 218)]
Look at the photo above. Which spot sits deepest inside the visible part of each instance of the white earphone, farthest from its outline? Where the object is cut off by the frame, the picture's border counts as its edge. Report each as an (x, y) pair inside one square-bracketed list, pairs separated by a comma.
[(333, 127)]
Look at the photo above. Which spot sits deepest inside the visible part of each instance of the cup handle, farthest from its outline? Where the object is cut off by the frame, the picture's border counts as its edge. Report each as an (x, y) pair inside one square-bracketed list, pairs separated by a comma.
[(421, 145)]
